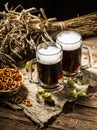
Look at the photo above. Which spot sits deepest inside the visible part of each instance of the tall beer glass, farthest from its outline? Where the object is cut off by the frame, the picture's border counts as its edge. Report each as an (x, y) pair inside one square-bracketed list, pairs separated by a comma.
[(49, 65), (71, 42)]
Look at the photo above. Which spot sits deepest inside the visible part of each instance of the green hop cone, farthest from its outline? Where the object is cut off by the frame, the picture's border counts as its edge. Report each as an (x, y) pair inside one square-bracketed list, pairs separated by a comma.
[(41, 91), (47, 96), (82, 94), (80, 80), (70, 83), (74, 93)]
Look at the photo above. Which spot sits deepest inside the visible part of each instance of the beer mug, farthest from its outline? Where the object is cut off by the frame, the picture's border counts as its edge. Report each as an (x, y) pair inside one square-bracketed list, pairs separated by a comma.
[(49, 65), (71, 42)]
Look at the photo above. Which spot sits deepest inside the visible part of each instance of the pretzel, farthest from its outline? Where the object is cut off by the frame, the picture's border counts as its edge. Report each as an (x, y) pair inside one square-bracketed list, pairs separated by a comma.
[(6, 73), (10, 78), (0, 86), (20, 100), (11, 86), (17, 100), (4, 86), (27, 102), (1, 78)]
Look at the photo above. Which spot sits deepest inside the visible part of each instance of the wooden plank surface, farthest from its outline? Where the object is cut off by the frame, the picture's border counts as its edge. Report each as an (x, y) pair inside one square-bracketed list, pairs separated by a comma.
[(14, 119), (73, 117), (79, 118)]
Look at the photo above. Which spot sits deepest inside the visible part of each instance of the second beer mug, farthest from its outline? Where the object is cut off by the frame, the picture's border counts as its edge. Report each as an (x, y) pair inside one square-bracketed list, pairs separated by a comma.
[(71, 42), (49, 65)]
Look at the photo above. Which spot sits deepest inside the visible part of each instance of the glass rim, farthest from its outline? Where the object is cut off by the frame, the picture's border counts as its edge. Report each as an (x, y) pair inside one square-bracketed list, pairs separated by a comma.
[(60, 49)]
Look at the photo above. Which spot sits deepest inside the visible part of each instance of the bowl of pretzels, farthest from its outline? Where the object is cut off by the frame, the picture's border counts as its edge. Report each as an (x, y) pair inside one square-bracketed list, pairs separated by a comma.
[(11, 80)]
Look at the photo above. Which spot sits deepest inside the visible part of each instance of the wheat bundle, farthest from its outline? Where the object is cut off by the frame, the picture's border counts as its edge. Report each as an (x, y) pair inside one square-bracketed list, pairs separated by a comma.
[(21, 31)]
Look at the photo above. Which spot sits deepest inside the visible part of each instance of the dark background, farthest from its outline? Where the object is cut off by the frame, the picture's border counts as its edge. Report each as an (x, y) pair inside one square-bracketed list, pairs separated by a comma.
[(61, 9)]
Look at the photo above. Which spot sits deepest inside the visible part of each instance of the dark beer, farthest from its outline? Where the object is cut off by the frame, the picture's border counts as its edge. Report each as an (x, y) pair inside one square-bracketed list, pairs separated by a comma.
[(50, 74), (71, 61), (49, 65), (71, 42)]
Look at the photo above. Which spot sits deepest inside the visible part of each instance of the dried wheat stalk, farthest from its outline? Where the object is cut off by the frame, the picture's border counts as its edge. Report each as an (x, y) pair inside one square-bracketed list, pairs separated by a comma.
[(86, 25), (21, 32)]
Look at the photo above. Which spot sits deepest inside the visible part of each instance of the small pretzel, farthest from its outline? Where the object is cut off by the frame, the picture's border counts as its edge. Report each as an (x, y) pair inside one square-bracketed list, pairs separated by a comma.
[(11, 86), (6, 73), (1, 74), (1, 78), (27, 102), (17, 100), (4, 86), (18, 83), (9, 80), (0, 87)]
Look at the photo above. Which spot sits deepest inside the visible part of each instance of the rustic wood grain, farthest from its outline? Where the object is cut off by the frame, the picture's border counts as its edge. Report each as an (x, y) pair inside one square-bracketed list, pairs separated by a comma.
[(14, 119), (81, 118), (73, 117)]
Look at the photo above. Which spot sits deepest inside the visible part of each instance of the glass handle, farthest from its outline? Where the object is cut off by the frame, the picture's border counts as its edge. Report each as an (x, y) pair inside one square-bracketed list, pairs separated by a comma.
[(30, 69), (90, 61)]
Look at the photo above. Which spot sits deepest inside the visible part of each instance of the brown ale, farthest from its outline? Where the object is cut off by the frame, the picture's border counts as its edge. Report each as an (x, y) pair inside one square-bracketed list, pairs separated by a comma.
[(71, 61), (49, 65), (50, 74)]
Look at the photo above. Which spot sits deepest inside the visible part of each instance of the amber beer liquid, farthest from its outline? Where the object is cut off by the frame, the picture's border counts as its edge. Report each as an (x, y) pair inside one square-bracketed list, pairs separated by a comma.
[(71, 42), (49, 66), (50, 74)]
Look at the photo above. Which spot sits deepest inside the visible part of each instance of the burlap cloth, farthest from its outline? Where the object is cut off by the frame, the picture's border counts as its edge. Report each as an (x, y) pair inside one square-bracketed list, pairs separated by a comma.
[(39, 112)]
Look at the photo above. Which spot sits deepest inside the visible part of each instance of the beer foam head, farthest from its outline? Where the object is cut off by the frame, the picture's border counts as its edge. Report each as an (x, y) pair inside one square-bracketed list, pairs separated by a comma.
[(70, 40), (49, 55)]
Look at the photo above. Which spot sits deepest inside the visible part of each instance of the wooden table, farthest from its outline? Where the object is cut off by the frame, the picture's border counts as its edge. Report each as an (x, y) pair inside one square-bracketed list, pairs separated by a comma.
[(75, 116)]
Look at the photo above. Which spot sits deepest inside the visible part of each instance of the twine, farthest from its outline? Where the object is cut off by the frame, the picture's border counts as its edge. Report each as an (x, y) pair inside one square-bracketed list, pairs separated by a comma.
[(62, 25)]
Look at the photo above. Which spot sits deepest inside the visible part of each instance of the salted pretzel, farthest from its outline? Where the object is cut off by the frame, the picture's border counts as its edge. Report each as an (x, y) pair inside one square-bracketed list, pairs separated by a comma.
[(10, 78)]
